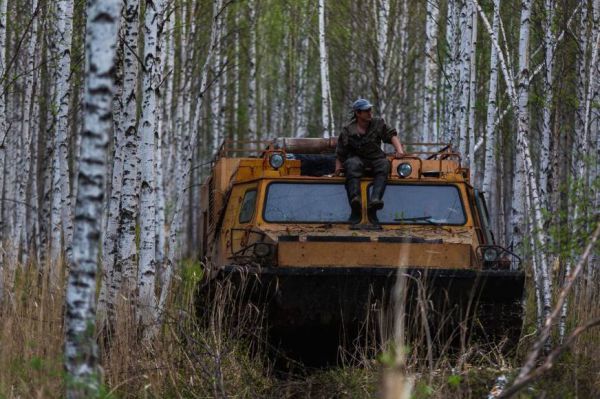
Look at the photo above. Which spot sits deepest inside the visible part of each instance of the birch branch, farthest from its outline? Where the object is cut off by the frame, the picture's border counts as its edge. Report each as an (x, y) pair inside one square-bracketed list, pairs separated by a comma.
[(549, 362), (540, 66), (526, 371)]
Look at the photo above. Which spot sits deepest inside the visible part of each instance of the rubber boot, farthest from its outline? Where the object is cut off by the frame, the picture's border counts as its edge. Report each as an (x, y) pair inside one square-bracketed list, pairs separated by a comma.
[(376, 201), (353, 191)]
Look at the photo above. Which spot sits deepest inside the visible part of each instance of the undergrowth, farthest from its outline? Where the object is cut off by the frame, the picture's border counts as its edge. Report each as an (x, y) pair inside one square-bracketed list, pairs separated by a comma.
[(216, 348)]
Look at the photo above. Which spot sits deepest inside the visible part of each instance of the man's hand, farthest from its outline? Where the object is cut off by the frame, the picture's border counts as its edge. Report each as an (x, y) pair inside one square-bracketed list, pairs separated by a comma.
[(338, 172), (399, 154)]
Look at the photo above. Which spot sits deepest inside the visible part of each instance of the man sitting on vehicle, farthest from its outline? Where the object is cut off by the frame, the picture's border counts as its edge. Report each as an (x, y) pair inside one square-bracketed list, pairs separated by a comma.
[(359, 147)]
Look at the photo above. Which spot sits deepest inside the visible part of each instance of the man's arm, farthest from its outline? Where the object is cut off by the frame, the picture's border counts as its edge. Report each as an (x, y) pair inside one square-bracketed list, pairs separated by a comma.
[(398, 147), (338, 166), (341, 153), (389, 135)]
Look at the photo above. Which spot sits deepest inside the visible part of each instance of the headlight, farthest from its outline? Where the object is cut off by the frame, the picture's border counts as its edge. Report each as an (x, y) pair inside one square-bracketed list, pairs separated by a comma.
[(261, 250), (490, 255), (276, 160), (404, 169)]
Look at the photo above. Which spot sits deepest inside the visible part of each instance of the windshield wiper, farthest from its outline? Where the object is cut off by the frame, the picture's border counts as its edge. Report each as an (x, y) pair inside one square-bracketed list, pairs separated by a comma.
[(428, 219)]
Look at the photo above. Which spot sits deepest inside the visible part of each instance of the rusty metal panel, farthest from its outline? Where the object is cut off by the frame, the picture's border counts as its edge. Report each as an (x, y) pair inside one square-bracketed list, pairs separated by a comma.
[(376, 254), (259, 168), (419, 166), (306, 145)]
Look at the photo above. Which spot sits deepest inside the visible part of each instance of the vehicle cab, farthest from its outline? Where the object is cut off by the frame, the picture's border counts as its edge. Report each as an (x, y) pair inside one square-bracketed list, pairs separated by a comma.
[(284, 208)]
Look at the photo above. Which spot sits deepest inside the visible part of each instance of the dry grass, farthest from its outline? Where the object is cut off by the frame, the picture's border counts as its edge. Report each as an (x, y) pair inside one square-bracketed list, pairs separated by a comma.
[(223, 355), (31, 336)]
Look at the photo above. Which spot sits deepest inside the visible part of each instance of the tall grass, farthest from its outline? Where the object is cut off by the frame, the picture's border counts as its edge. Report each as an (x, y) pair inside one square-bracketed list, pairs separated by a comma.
[(216, 348)]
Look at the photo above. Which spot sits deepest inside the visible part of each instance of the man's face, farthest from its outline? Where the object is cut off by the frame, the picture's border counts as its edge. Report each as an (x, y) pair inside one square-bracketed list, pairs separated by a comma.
[(365, 115)]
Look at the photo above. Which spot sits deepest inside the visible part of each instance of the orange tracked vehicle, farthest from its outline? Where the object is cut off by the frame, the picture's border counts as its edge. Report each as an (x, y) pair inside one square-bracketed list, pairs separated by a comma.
[(281, 217)]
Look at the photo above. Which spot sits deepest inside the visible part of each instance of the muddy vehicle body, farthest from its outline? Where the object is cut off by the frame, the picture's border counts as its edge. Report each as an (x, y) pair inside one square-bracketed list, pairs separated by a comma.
[(280, 218)]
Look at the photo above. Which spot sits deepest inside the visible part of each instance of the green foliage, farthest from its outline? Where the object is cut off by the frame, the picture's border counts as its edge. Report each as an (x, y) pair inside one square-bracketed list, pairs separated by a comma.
[(192, 272), (454, 380), (423, 390)]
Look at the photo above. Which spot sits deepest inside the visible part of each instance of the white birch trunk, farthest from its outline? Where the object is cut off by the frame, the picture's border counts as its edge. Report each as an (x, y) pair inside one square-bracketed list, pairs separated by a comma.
[(3, 142), (301, 121), (81, 353), (490, 170), (109, 243), (582, 61), (472, 92), (61, 215), (252, 109), (32, 229), (188, 127), (235, 124), (383, 16), (452, 75), (125, 258), (550, 45), (466, 29), (163, 164), (215, 96), (146, 277), (26, 136), (430, 78), (326, 121), (402, 64), (223, 94), (594, 264), (160, 202), (525, 172), (582, 171), (518, 197)]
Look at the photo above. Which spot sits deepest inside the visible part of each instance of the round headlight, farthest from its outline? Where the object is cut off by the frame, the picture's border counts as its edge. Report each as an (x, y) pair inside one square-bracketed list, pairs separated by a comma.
[(404, 169), (276, 160), (490, 255), (261, 250)]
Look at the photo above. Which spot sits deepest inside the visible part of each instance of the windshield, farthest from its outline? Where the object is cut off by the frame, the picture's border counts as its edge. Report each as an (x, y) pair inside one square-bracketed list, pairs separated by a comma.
[(306, 203), (422, 204)]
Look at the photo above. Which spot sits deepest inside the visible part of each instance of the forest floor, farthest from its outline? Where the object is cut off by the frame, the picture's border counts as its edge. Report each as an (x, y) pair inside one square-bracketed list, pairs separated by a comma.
[(222, 357)]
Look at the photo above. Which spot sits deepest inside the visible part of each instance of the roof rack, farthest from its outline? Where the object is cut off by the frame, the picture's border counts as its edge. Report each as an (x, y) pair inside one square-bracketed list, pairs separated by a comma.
[(306, 145)]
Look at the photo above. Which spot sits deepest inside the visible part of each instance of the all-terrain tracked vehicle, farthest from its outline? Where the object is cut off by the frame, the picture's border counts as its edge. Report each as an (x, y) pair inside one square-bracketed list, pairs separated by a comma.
[(280, 220)]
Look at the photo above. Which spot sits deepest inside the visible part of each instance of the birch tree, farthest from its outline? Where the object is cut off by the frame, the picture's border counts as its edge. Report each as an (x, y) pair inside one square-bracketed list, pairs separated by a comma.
[(451, 75), (430, 69), (147, 303), (383, 16), (549, 48), (120, 253), (80, 342), (177, 219), (472, 91), (24, 156), (61, 216), (300, 120), (524, 167), (252, 109), (326, 121), (3, 9), (489, 173), (464, 59), (215, 94), (582, 61)]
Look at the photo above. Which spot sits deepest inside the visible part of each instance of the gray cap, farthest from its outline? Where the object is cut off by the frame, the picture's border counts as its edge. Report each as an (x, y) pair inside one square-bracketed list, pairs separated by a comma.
[(361, 105)]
